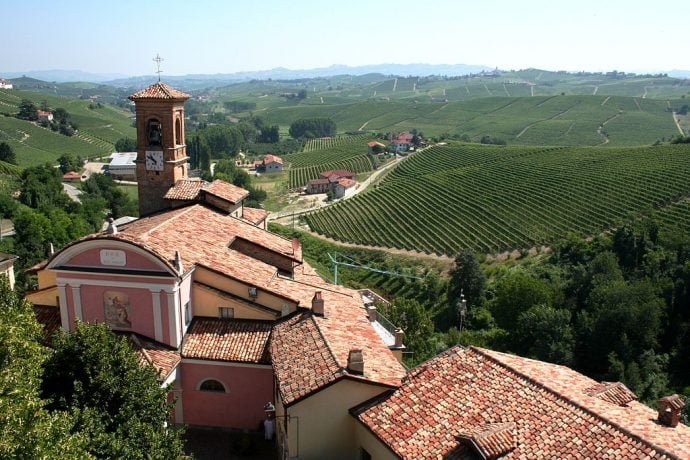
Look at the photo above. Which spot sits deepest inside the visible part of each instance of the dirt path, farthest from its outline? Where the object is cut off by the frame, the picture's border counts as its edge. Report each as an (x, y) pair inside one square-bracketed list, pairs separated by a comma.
[(675, 120), (605, 101), (506, 90), (644, 96), (361, 128), (638, 105), (487, 89), (601, 128), (395, 84), (531, 89), (596, 88), (322, 99)]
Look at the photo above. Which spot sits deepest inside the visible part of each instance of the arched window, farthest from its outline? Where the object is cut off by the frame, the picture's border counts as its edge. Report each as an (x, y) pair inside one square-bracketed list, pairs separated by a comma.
[(154, 135), (178, 132), (212, 385)]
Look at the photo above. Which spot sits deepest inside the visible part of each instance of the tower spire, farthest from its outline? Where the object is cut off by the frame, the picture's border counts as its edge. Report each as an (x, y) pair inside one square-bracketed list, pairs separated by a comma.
[(158, 61)]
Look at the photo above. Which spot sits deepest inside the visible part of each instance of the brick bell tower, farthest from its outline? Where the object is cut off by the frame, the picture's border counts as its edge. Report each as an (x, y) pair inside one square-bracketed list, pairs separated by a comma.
[(161, 150)]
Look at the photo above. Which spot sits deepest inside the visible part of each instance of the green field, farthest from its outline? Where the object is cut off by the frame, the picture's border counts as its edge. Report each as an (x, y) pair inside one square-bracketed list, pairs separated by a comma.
[(99, 128), (493, 199), (345, 152)]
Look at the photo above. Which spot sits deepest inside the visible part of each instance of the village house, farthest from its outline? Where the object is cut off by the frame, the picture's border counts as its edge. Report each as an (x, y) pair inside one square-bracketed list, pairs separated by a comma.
[(231, 316), (473, 403), (122, 166), (374, 145), (338, 181), (44, 115), (270, 164), (402, 142), (5, 84)]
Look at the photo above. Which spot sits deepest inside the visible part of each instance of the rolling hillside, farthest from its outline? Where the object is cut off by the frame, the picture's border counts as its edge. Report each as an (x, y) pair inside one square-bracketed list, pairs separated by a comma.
[(100, 126), (500, 198)]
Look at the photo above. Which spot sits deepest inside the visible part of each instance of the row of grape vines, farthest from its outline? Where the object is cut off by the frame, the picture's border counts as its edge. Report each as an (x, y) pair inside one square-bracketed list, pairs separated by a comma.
[(298, 177), (322, 143), (492, 199)]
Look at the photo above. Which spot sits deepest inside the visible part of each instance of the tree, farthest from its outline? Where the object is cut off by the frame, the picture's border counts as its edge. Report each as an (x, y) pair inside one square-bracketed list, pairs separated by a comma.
[(67, 163), (42, 186), (269, 134), (416, 322), (7, 154), (515, 294), (116, 403), (27, 429), (126, 144), (312, 127), (544, 333), (467, 277), (302, 94), (27, 110)]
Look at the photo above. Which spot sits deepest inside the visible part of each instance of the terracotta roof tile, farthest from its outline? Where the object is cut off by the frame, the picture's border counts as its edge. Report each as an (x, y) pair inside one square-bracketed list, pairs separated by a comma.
[(254, 215), (613, 392), (185, 189), (49, 317), (347, 183), (491, 440), (462, 390), (336, 173), (226, 191), (227, 340), (310, 351), (159, 91), (162, 357), (271, 158), (374, 144)]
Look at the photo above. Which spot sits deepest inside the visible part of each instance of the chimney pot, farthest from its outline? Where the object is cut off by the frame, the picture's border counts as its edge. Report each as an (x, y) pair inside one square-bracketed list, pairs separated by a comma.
[(670, 408), (112, 228), (372, 313), (317, 304), (399, 336), (355, 362), (178, 262)]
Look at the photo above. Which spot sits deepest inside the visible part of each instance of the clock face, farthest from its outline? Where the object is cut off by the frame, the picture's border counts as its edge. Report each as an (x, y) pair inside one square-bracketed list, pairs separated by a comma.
[(154, 160)]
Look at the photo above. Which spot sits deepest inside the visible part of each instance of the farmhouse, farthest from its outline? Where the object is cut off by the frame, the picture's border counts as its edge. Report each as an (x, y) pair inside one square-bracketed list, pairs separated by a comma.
[(476, 403), (71, 176), (44, 116), (228, 313), (270, 164), (402, 142), (5, 84), (337, 181), (373, 145)]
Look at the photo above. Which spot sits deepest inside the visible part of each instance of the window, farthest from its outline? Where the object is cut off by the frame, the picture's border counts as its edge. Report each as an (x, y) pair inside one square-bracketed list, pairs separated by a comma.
[(187, 313), (178, 132), (212, 385), (226, 312)]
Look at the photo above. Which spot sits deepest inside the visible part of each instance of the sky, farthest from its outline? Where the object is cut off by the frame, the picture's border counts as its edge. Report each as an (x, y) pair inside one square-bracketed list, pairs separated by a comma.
[(207, 36)]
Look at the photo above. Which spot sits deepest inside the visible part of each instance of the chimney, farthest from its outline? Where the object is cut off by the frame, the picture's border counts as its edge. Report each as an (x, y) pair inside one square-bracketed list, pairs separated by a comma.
[(355, 362), (112, 229), (399, 336), (317, 304), (670, 408), (371, 310)]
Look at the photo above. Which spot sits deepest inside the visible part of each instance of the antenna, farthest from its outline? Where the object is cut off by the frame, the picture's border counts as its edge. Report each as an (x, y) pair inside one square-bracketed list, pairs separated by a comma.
[(158, 61)]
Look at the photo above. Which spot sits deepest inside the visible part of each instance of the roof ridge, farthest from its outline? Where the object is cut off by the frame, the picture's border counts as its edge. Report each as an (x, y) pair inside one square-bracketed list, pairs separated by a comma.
[(567, 400), (304, 283), (328, 345), (183, 210)]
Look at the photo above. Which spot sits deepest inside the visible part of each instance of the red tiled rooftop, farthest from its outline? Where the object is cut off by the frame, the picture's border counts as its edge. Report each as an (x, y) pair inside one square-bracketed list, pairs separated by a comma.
[(254, 215), (185, 189), (271, 158), (71, 175), (227, 340), (49, 318), (159, 90), (461, 390), (337, 173), (226, 191), (162, 357), (347, 183), (310, 351), (318, 182), (374, 144)]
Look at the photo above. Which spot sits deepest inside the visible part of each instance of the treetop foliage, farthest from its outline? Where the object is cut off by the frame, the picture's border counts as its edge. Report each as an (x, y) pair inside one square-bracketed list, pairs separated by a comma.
[(312, 128)]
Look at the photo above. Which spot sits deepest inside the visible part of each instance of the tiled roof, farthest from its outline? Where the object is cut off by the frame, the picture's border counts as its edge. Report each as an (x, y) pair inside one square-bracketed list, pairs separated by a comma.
[(254, 215), (338, 173), (462, 390), (310, 351), (159, 91), (185, 189), (374, 144), (227, 340), (202, 236), (347, 183), (613, 392), (491, 440), (49, 317), (71, 175), (270, 158), (161, 357), (318, 182), (226, 191)]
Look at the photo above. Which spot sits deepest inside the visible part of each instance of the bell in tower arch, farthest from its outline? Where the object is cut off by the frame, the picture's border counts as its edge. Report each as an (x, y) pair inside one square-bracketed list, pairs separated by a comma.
[(153, 133)]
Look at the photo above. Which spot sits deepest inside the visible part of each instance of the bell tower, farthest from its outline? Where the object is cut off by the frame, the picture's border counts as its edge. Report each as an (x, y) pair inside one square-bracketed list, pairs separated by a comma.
[(161, 150)]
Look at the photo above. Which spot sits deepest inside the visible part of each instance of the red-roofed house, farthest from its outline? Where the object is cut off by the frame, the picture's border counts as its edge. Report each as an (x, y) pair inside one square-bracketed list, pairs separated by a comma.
[(375, 145), (71, 176), (44, 116), (270, 164), (402, 142), (228, 313), (472, 403), (337, 181)]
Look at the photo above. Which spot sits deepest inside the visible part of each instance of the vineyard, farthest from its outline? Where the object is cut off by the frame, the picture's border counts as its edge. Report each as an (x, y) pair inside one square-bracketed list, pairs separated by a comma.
[(348, 153), (492, 199)]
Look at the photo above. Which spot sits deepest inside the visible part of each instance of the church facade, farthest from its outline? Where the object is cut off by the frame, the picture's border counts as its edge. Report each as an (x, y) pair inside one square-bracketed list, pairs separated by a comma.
[(238, 325)]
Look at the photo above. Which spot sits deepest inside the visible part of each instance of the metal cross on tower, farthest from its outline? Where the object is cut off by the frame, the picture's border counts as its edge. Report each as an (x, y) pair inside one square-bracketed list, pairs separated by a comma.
[(158, 61)]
